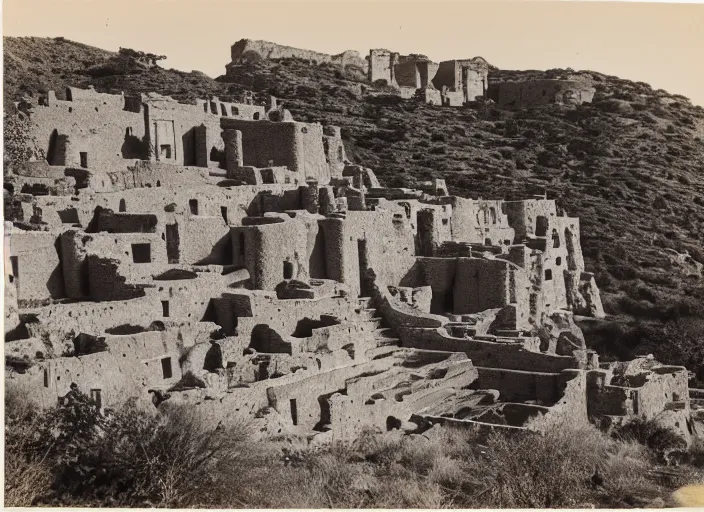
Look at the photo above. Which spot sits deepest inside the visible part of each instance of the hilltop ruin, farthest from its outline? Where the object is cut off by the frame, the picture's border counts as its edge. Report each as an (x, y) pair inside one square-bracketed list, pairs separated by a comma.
[(450, 83), (226, 256)]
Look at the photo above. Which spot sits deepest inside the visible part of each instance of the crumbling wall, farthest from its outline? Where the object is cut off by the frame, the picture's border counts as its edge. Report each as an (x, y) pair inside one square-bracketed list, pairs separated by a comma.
[(298, 146), (533, 93), (521, 386), (381, 66), (250, 50), (380, 240), (90, 134)]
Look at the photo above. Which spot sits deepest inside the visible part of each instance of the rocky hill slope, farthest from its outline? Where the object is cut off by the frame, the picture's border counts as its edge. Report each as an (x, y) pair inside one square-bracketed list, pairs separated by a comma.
[(630, 165)]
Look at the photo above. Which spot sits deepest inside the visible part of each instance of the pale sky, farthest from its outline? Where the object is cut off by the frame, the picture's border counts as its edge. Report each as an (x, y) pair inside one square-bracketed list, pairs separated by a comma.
[(660, 44)]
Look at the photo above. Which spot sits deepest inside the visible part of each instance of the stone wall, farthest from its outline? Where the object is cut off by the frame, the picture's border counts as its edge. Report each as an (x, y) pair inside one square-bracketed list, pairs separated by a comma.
[(36, 266), (249, 50), (534, 93)]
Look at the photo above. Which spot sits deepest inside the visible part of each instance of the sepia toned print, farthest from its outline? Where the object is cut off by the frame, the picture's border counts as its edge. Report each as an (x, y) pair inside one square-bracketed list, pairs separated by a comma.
[(348, 280)]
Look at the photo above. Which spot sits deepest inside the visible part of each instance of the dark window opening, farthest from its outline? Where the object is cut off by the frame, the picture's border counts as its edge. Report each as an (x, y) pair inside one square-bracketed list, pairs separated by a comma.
[(555, 239), (123, 206), (158, 183), (339, 154), (445, 222), (165, 308), (193, 205), (294, 411), (288, 270), (84, 159), (235, 111), (165, 151), (172, 243), (449, 301), (141, 253), (487, 241), (97, 397), (256, 116), (507, 242), (46, 378), (541, 226), (241, 244), (223, 212), (166, 367), (548, 275), (14, 262), (558, 261)]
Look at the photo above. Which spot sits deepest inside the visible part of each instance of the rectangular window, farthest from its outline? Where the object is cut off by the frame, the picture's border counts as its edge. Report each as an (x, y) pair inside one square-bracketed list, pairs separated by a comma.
[(46, 378), (548, 275), (165, 308), (193, 205), (294, 411), (166, 367), (141, 253), (84, 159), (223, 212), (165, 151), (96, 396), (14, 262)]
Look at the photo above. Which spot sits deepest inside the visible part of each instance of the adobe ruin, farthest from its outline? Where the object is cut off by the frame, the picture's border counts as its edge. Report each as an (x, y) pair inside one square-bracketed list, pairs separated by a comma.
[(450, 83), (229, 257)]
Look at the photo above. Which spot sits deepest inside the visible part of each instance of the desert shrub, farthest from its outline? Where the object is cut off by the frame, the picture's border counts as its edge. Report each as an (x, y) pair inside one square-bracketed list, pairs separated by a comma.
[(27, 474), (659, 439)]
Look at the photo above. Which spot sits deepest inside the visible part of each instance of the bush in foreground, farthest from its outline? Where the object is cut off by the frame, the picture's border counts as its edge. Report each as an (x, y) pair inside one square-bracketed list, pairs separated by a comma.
[(133, 457)]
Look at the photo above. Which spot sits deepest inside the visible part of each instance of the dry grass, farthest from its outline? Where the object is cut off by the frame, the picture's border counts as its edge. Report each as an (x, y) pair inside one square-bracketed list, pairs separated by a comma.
[(177, 460)]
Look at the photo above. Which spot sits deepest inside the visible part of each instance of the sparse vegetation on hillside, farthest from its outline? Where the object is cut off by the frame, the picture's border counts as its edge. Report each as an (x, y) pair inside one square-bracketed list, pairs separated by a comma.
[(74, 455), (629, 165)]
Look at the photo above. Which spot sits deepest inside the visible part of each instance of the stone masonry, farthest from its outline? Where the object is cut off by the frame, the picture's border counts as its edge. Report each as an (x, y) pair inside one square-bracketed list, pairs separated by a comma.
[(235, 260)]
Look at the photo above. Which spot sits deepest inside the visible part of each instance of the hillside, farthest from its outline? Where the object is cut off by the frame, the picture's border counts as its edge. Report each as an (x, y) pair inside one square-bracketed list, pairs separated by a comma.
[(630, 165)]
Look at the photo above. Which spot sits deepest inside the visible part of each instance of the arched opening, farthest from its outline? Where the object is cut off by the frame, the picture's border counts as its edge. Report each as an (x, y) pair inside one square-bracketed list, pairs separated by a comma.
[(256, 116)]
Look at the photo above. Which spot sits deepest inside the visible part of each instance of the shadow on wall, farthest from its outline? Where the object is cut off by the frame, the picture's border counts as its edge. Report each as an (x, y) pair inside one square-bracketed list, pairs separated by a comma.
[(133, 147), (213, 358), (55, 284), (267, 340), (305, 326), (414, 277), (221, 254), (188, 141), (217, 155)]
